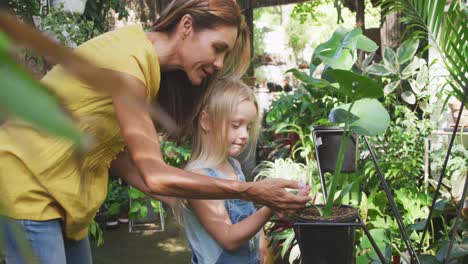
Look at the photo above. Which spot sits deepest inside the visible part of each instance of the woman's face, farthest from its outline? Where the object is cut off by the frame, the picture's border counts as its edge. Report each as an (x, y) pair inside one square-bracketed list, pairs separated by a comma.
[(203, 51)]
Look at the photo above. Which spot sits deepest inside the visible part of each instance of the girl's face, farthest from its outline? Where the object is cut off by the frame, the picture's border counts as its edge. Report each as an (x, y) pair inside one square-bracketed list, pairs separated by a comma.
[(242, 119), (203, 51)]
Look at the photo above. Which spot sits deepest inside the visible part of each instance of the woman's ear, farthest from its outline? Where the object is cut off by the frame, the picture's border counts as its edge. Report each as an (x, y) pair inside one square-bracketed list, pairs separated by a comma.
[(185, 25), (205, 121)]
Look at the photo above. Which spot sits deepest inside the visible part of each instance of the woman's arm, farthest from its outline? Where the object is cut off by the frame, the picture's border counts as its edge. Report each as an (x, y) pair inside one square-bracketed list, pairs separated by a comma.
[(213, 216), (124, 168), (159, 178)]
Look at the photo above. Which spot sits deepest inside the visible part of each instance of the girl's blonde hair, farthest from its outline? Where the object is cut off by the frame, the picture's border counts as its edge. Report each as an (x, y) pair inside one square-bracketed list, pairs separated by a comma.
[(211, 149), (177, 96)]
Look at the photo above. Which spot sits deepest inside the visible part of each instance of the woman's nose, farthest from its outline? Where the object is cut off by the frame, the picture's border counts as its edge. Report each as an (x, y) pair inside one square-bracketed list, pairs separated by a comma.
[(218, 63)]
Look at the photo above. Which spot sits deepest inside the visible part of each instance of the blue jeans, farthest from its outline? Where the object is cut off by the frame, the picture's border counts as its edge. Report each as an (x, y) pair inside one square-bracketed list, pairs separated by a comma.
[(43, 241)]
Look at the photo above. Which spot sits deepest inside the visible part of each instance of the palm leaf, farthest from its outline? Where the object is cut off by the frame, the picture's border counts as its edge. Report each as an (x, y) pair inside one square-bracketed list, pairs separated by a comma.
[(447, 31)]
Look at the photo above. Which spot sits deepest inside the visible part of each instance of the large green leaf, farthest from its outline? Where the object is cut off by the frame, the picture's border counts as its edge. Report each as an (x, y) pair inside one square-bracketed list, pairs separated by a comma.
[(378, 69), (28, 99), (368, 117), (407, 50), (306, 79), (366, 44), (356, 86), (339, 52), (411, 68), (389, 88), (390, 60), (408, 97), (367, 254)]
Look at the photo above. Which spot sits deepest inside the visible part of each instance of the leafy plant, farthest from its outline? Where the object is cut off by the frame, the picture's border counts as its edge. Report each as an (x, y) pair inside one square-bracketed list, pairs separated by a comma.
[(361, 112), (25, 8), (445, 30), (408, 74), (456, 171), (286, 168), (69, 28), (280, 233), (97, 11), (176, 154)]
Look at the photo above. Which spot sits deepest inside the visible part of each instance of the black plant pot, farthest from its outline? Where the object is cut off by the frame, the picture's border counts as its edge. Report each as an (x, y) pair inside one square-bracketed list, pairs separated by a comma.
[(326, 241), (328, 140)]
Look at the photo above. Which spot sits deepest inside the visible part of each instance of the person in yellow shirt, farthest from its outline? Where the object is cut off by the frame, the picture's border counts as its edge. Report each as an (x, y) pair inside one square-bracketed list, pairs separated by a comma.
[(54, 198)]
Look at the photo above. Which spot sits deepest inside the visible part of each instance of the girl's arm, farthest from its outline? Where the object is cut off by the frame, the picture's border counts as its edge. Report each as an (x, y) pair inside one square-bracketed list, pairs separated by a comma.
[(158, 178), (213, 216)]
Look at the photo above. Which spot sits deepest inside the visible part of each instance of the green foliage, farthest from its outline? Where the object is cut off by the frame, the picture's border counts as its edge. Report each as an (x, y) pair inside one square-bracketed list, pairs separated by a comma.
[(176, 154), (97, 11), (446, 31), (95, 232), (367, 117), (340, 54), (340, 51), (298, 37), (408, 74), (25, 8), (401, 148), (305, 11), (69, 28), (366, 253), (116, 198), (456, 171)]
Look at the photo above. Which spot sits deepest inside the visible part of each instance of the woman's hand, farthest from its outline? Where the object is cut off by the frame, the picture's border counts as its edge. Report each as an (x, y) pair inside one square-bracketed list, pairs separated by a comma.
[(272, 193)]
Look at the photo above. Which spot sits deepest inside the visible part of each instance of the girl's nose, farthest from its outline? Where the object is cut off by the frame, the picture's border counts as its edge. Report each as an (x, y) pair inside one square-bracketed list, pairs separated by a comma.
[(244, 134)]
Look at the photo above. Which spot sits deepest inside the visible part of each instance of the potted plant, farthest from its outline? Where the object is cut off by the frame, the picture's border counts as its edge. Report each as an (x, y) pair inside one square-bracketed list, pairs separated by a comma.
[(325, 233), (145, 214), (279, 232)]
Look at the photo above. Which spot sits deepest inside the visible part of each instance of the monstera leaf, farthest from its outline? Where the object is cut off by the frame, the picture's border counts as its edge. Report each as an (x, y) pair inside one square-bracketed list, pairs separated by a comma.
[(339, 52), (367, 117)]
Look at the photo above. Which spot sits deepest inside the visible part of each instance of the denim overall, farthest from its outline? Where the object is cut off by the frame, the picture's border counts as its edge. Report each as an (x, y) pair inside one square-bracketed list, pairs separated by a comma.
[(205, 250)]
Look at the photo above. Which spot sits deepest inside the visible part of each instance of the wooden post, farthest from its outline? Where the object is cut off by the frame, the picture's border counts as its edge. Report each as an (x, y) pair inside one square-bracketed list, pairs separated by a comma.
[(360, 14), (391, 31)]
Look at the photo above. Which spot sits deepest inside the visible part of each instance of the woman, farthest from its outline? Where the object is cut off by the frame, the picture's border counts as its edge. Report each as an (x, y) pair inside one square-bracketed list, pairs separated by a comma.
[(50, 192)]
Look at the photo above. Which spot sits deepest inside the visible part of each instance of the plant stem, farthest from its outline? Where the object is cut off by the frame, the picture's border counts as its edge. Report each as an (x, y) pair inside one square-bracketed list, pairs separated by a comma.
[(339, 164)]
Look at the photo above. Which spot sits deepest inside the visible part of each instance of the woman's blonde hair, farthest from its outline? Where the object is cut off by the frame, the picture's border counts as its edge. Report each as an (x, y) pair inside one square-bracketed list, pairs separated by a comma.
[(177, 95), (210, 149)]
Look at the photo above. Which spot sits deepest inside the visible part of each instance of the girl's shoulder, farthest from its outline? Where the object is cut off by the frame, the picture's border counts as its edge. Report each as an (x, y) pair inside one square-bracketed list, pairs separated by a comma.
[(205, 171)]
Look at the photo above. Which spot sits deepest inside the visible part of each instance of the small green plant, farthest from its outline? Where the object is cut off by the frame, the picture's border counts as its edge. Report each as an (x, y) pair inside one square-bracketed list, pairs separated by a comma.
[(407, 74), (279, 233), (25, 9), (70, 29)]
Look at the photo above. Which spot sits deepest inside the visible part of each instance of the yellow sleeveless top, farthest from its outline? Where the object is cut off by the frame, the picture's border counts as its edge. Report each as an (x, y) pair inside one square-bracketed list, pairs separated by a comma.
[(39, 175)]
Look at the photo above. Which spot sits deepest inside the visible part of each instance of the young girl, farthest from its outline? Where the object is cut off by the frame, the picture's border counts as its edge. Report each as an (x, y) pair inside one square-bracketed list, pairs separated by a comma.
[(224, 231)]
